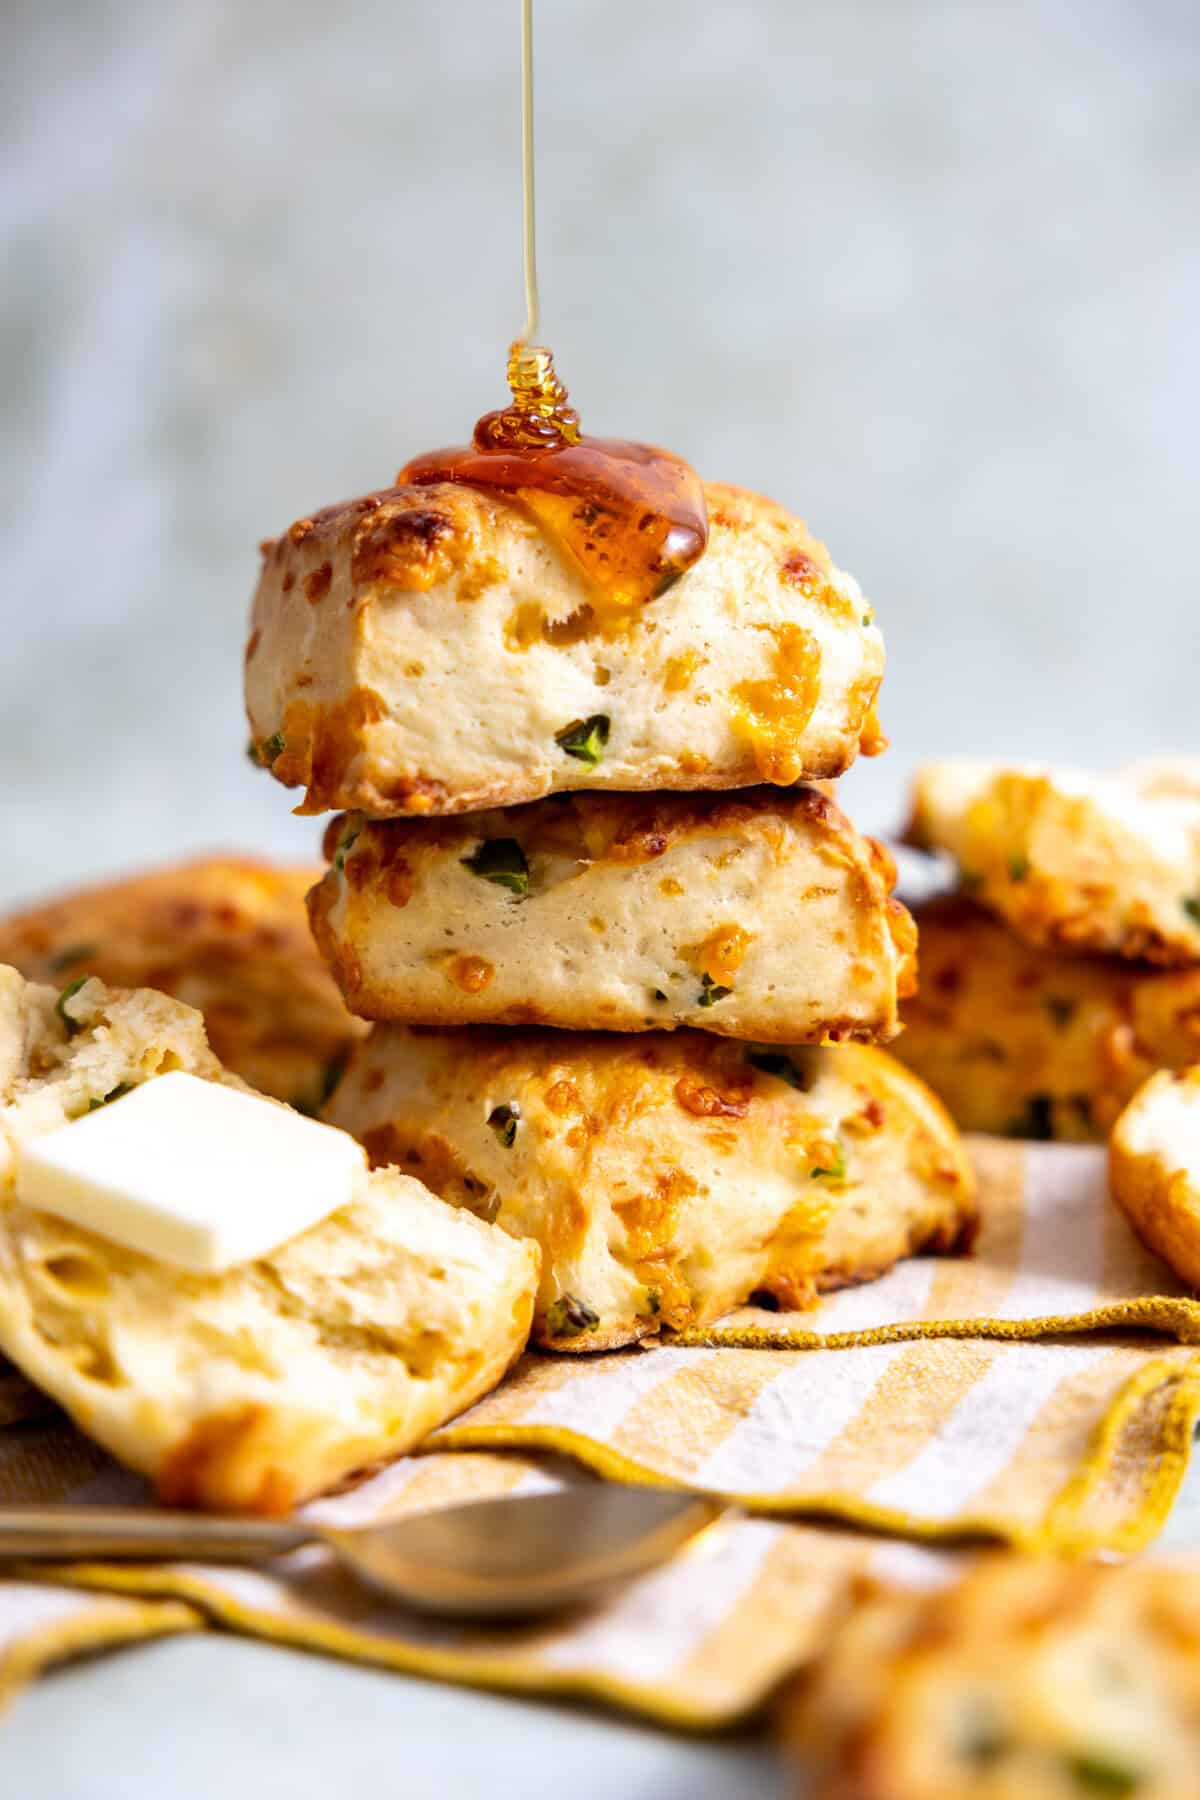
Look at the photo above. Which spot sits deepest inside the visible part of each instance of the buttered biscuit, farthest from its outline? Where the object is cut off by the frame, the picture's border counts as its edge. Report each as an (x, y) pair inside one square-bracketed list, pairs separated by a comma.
[(1027, 1679), (227, 935), (431, 650), (667, 1176), (1078, 862), (1154, 1168), (259, 1387), (757, 915), (1036, 1043)]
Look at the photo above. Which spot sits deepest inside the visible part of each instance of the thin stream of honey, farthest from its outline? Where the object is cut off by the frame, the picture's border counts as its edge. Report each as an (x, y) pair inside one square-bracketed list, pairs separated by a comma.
[(532, 310), (632, 518)]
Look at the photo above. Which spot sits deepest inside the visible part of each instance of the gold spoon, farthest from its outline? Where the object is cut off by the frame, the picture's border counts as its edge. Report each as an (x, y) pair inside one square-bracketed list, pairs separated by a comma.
[(489, 1559)]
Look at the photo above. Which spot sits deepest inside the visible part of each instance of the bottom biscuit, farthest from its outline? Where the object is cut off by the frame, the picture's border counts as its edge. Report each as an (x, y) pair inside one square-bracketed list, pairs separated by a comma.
[(668, 1176)]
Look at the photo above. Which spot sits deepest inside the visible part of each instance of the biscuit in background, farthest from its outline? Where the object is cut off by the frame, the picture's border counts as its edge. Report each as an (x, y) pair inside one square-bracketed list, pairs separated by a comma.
[(1027, 1679), (430, 650), (761, 915), (1074, 862), (1154, 1168), (667, 1176), (226, 934), (256, 1388), (1023, 1042)]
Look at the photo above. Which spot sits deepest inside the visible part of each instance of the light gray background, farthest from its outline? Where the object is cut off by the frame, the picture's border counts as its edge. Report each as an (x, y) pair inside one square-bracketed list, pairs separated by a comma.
[(928, 272)]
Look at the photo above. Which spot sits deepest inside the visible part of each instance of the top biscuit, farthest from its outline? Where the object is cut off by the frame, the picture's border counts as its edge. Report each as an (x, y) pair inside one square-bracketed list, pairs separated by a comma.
[(1074, 862), (430, 650)]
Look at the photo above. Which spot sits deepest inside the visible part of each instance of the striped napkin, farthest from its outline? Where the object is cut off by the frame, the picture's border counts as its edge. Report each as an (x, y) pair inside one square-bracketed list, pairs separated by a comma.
[(1043, 1392)]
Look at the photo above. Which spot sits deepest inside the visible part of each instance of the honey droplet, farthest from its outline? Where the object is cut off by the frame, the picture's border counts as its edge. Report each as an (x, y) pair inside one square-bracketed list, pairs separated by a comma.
[(632, 518)]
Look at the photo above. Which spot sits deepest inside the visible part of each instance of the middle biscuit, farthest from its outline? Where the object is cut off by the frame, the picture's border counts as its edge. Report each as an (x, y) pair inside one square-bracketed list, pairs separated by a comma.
[(763, 915)]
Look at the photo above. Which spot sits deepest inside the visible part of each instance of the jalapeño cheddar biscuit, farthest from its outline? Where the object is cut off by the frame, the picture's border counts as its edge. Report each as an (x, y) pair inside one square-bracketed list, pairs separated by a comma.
[(260, 1386), (1154, 1168), (1027, 1679), (1036, 1043), (430, 650), (757, 915), (667, 1176), (225, 934), (1077, 862)]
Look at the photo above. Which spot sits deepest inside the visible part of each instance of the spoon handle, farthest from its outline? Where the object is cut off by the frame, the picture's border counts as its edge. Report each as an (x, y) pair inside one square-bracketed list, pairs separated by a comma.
[(69, 1533)]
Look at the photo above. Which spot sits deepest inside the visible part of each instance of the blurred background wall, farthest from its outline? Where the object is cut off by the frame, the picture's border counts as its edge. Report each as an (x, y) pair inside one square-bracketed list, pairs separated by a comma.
[(928, 273)]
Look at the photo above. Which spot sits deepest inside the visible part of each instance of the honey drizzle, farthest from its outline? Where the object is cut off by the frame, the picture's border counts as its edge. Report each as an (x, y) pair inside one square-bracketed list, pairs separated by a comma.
[(632, 518), (532, 310)]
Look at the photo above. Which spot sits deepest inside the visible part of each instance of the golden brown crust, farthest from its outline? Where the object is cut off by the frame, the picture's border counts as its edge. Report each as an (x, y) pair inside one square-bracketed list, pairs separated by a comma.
[(666, 1176), (1027, 1679), (199, 1471), (762, 916), (410, 538), (1026, 1042), (226, 934), (420, 651)]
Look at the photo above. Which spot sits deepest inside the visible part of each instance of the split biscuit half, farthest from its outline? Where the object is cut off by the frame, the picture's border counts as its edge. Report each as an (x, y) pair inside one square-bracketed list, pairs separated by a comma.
[(259, 1387)]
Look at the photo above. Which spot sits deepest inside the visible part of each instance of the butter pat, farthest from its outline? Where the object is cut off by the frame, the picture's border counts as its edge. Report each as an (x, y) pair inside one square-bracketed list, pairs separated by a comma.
[(192, 1173)]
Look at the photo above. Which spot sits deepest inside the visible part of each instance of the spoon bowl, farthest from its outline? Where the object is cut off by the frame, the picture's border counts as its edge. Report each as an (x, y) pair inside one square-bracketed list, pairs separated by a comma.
[(515, 1557), (524, 1554)]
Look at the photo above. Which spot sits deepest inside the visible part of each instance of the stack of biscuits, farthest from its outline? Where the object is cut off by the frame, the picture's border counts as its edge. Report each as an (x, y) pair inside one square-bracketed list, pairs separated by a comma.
[(625, 959), (1064, 969)]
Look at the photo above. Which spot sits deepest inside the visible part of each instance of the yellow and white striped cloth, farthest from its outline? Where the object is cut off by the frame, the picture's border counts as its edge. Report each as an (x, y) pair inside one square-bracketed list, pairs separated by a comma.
[(1042, 1392)]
